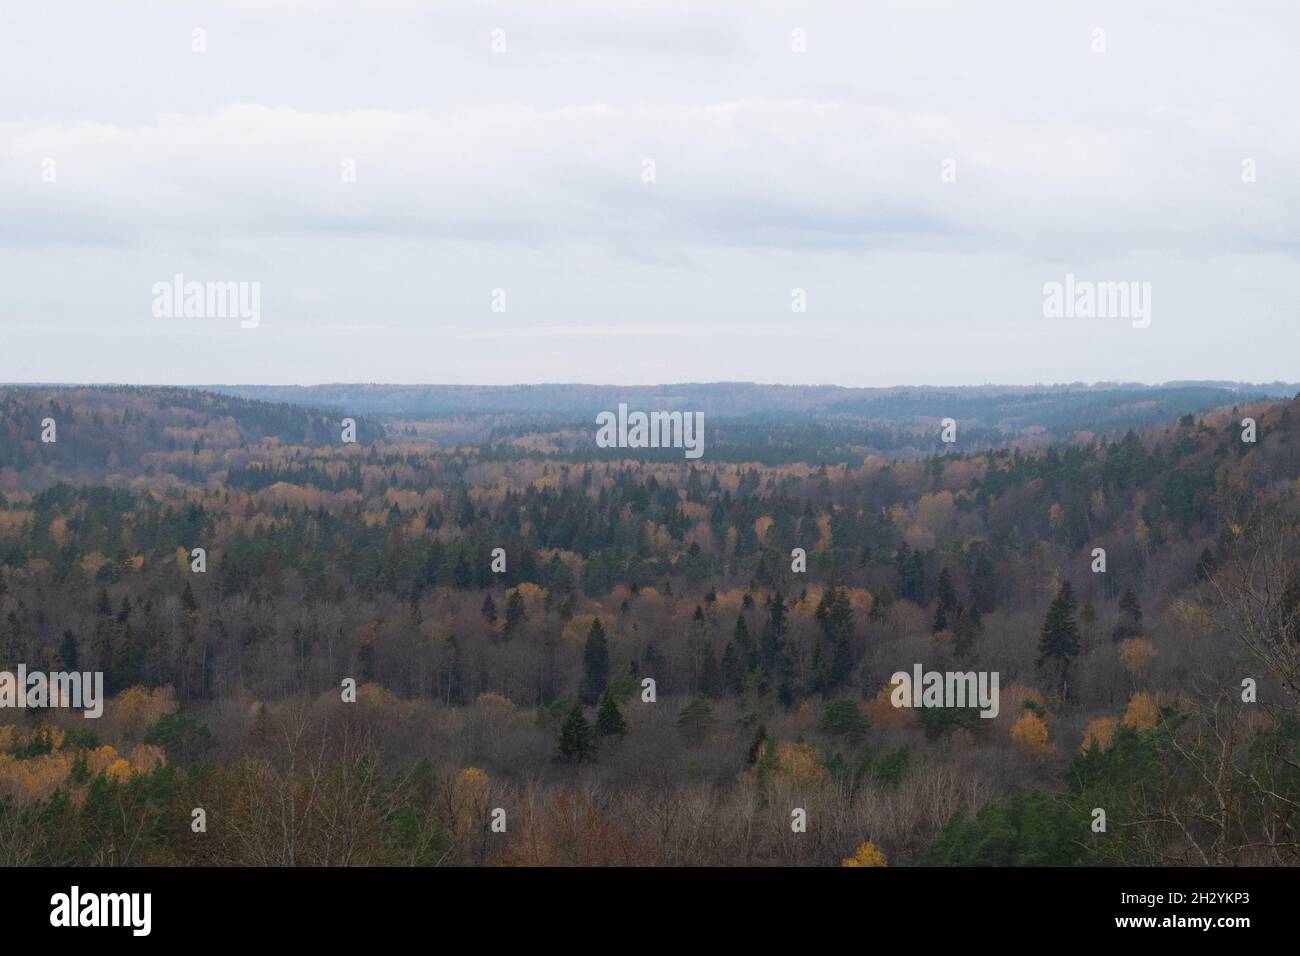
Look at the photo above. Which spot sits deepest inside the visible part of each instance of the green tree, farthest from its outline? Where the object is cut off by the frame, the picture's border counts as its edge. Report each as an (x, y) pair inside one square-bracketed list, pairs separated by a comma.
[(1059, 639), (577, 738), (595, 660), (609, 719), (68, 652), (516, 613), (1130, 617), (695, 719), (844, 718)]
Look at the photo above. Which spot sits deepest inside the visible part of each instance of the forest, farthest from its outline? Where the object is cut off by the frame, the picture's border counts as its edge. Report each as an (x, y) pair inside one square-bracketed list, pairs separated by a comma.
[(471, 637)]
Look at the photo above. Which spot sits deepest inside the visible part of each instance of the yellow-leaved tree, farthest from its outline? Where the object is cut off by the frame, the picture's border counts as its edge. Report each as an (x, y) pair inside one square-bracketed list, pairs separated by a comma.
[(1141, 712), (1030, 734), (868, 855), (1100, 732)]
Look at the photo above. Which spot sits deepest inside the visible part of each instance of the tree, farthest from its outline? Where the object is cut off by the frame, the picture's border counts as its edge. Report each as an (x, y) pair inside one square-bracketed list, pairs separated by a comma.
[(68, 652), (947, 593), (609, 719), (835, 616), (577, 739), (595, 661), (695, 719), (1130, 617), (1030, 733), (844, 718), (966, 630), (868, 855), (516, 613), (489, 610), (1059, 639)]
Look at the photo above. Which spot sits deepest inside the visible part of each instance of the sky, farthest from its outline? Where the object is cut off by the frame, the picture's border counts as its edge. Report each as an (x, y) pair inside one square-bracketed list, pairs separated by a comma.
[(484, 192)]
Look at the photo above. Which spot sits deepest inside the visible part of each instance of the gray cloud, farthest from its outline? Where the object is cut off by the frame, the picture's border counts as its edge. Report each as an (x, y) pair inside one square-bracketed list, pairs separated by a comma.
[(522, 171)]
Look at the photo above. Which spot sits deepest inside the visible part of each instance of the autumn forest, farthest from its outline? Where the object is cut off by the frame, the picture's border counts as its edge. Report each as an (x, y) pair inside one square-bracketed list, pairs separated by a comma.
[(463, 634)]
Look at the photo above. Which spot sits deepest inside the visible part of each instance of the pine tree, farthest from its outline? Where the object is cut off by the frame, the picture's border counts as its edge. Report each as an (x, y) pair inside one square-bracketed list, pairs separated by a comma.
[(1130, 617), (947, 593), (489, 610), (609, 719), (835, 616), (966, 630), (733, 676), (696, 718), (68, 652), (595, 662), (516, 613), (710, 675), (577, 739), (1059, 640)]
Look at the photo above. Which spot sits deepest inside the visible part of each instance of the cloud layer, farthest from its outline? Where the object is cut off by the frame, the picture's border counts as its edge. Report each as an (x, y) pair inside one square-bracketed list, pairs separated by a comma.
[(920, 173)]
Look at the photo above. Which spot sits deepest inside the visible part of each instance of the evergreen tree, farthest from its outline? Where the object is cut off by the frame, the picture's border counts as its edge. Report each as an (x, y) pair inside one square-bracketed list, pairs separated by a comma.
[(966, 630), (1130, 617), (710, 675), (733, 675), (947, 593), (609, 719), (695, 719), (835, 616), (516, 613), (911, 574), (1059, 638), (489, 610), (68, 652), (577, 738), (595, 661)]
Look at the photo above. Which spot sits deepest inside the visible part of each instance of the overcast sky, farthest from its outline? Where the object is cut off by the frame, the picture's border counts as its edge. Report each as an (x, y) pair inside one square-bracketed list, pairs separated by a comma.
[(128, 156)]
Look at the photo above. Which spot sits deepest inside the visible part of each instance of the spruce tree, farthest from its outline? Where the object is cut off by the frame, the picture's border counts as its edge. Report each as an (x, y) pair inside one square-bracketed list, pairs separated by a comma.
[(1059, 640), (489, 610), (595, 661), (1130, 617), (947, 593), (696, 718), (68, 652), (577, 739), (516, 613), (609, 719)]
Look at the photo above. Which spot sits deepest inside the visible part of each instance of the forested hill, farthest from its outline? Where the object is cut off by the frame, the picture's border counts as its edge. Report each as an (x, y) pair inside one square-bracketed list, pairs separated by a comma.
[(226, 594), (1058, 410), (99, 430)]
